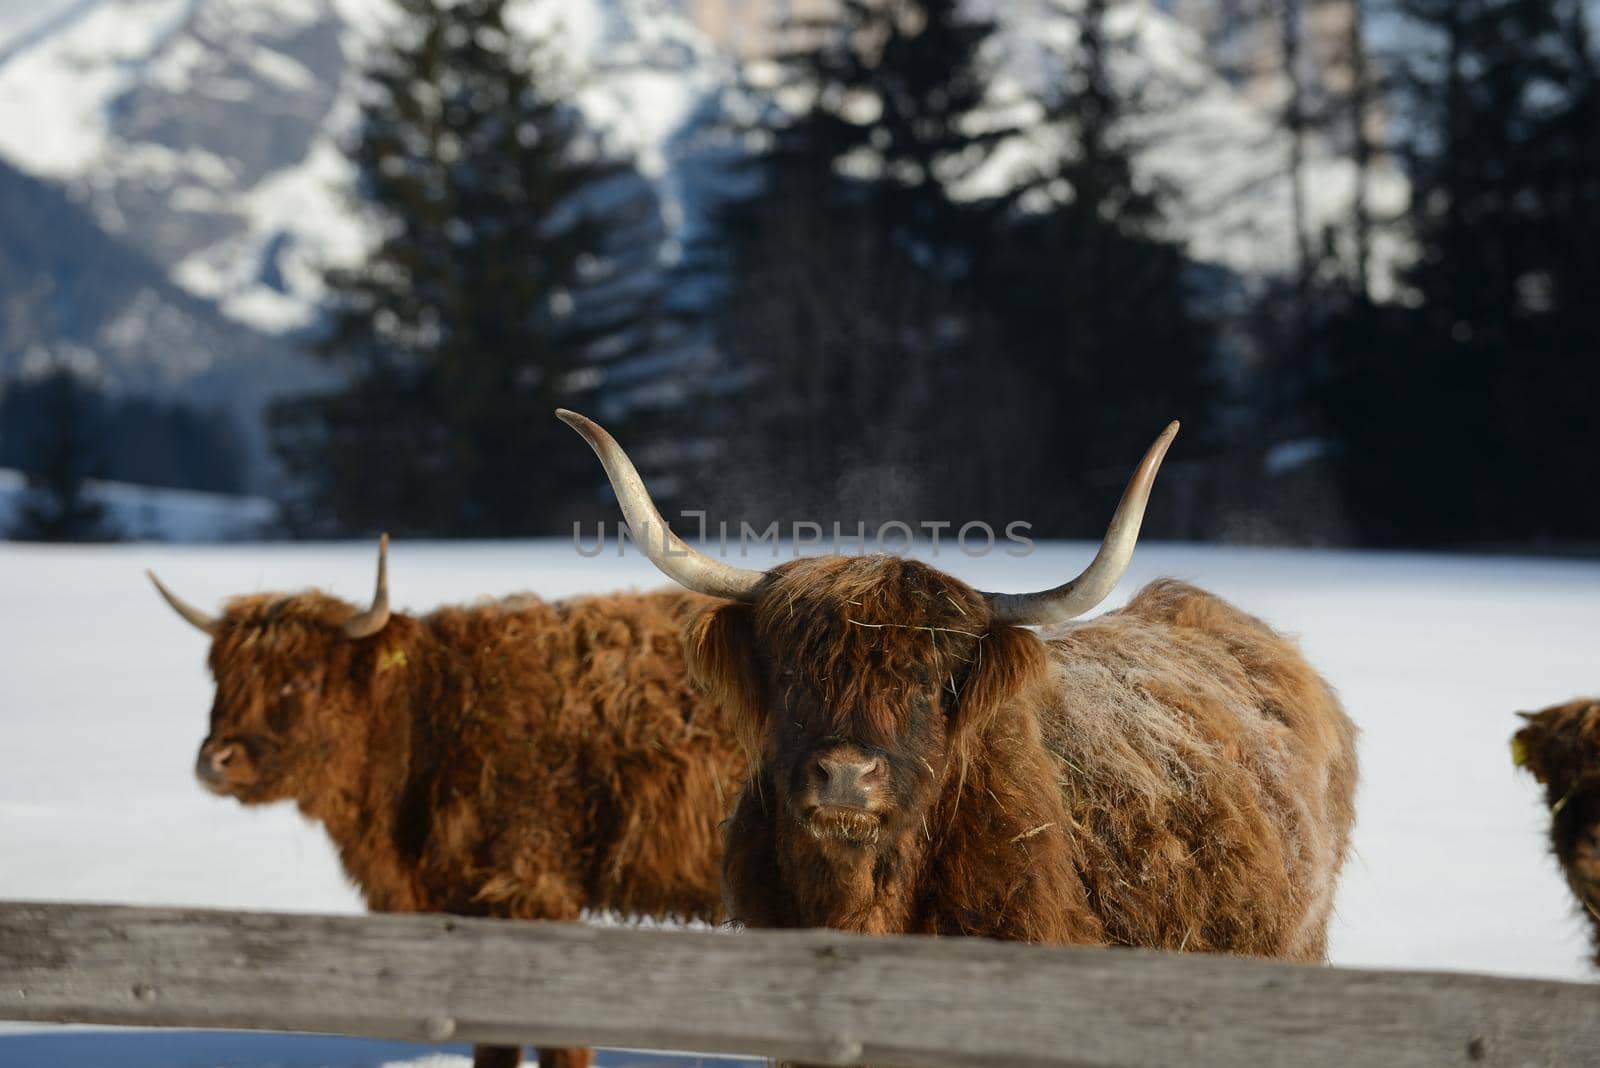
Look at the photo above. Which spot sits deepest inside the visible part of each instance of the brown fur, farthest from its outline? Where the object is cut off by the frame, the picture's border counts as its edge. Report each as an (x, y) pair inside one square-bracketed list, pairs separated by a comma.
[(1170, 775), (514, 758), (1561, 747)]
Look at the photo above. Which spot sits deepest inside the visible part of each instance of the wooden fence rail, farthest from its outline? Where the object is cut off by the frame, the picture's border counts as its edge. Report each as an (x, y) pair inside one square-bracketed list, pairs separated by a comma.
[(816, 995)]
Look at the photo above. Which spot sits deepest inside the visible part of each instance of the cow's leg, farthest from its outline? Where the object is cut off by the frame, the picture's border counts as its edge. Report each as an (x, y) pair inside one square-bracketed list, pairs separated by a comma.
[(552, 898), (496, 1056), (511, 1056)]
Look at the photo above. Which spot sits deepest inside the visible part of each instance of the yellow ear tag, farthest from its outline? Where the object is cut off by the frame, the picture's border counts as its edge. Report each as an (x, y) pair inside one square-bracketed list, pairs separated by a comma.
[(1519, 752), (391, 659)]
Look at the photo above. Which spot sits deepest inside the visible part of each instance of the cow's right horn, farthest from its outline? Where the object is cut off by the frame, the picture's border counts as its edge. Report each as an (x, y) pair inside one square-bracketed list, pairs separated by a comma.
[(1073, 599), (689, 567), (189, 612)]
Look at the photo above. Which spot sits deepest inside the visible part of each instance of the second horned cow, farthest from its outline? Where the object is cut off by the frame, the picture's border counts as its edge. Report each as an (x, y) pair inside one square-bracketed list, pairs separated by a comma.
[(516, 758)]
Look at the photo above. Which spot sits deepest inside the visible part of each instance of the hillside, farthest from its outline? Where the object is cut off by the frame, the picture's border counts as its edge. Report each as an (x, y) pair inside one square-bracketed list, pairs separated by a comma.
[(201, 144)]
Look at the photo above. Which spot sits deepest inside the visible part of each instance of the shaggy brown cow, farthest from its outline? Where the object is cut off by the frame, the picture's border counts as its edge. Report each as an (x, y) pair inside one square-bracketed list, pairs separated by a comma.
[(515, 758), (1170, 775), (1561, 747)]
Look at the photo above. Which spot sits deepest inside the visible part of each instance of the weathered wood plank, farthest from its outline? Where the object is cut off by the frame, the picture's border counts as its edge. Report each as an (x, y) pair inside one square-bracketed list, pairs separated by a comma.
[(816, 996)]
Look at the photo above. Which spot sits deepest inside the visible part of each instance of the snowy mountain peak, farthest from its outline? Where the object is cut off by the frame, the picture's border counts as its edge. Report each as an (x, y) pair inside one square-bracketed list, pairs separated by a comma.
[(209, 133)]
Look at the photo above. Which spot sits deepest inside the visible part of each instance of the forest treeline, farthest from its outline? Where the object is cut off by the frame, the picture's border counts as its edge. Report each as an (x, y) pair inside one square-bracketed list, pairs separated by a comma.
[(853, 333)]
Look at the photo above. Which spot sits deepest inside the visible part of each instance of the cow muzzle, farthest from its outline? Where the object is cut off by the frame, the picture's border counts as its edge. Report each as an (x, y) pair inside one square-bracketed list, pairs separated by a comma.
[(223, 767), (843, 795), (846, 778)]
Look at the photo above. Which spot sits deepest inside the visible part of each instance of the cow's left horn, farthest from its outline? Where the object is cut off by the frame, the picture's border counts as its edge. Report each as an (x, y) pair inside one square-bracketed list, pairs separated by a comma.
[(1102, 575), (201, 620), (692, 569), (366, 624)]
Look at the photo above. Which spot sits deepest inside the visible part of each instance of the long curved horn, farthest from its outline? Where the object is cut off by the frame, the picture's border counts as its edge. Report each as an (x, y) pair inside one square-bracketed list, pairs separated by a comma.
[(199, 619), (1074, 598), (366, 624), (689, 567)]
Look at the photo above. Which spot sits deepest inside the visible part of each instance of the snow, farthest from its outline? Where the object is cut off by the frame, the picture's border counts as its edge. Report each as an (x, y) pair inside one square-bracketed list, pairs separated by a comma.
[(1432, 654), (53, 96), (158, 513), (58, 119), (1224, 154), (99, 1048), (314, 198), (105, 700), (21, 18)]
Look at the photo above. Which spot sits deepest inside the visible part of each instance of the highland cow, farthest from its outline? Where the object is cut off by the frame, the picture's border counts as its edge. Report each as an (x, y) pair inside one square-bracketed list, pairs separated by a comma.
[(1171, 775), (516, 758), (1561, 747)]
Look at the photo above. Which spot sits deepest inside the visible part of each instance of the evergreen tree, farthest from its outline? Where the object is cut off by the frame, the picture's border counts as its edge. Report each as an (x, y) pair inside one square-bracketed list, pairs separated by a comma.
[(901, 106), (1453, 410), (517, 274), (1092, 298), (132, 438), (844, 308), (56, 505), (1358, 106), (1296, 119)]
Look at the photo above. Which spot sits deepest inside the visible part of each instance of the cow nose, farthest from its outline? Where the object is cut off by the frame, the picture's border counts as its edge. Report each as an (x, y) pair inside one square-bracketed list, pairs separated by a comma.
[(846, 779), (212, 764)]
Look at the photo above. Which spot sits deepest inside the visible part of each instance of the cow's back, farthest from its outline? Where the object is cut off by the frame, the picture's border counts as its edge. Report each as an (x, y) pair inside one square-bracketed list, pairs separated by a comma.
[(582, 770), (1209, 771), (660, 754)]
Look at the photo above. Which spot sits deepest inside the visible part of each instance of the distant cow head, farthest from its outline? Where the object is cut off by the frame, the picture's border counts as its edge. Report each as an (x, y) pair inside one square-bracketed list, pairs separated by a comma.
[(855, 681), (291, 672), (1561, 747)]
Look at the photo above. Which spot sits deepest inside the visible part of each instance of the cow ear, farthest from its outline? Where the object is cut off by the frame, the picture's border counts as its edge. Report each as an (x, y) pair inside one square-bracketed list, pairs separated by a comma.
[(1527, 746), (723, 659), (1009, 660)]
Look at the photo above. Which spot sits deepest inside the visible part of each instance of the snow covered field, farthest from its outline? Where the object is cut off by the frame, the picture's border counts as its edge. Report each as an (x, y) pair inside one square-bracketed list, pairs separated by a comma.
[(104, 698)]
